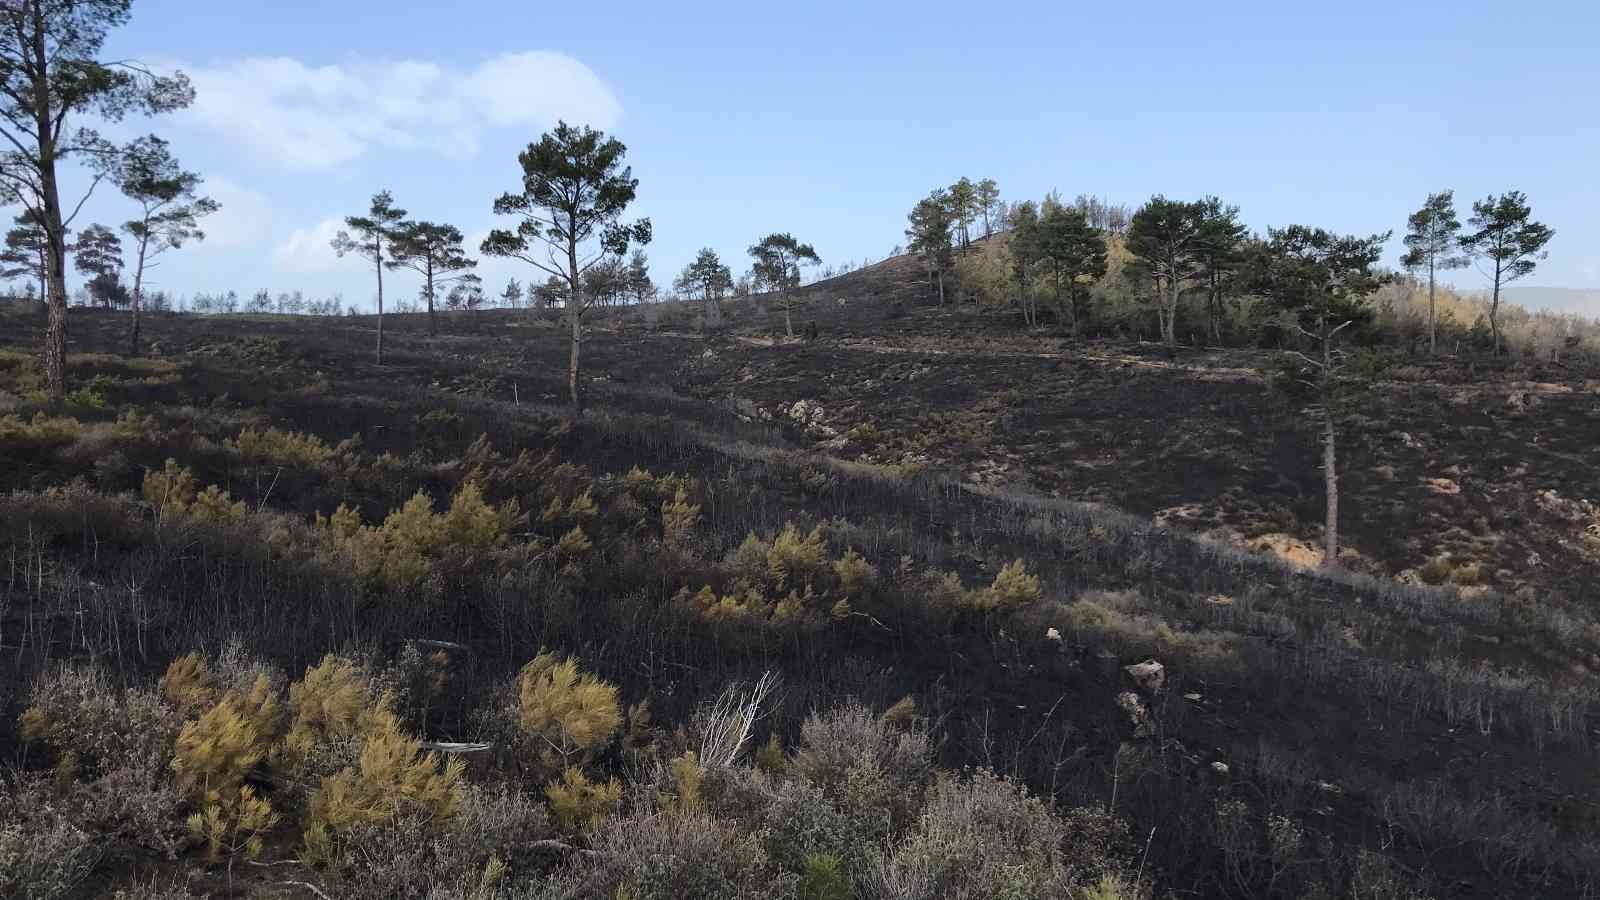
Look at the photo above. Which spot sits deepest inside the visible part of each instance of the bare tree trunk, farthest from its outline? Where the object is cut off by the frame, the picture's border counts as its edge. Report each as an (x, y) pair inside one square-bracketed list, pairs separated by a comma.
[(788, 326), (575, 317), (1494, 310), (1433, 333), (939, 274), (433, 324), (1330, 478), (380, 302), (573, 366), (138, 295)]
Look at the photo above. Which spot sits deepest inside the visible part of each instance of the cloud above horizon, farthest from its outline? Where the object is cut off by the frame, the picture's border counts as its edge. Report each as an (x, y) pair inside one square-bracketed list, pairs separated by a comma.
[(316, 117)]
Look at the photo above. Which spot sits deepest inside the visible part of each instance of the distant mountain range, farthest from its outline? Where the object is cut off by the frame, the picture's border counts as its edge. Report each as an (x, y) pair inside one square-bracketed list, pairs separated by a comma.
[(1583, 301)]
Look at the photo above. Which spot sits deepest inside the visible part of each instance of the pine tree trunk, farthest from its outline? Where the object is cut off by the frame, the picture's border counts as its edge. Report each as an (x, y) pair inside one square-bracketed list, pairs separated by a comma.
[(380, 302), (940, 276), (788, 326), (1330, 478), (575, 317), (433, 324), (55, 341), (138, 295), (1433, 332), (573, 365), (1494, 310)]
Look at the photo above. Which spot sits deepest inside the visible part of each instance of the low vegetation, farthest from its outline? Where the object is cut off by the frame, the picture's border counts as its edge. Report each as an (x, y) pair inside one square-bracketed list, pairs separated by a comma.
[(486, 650)]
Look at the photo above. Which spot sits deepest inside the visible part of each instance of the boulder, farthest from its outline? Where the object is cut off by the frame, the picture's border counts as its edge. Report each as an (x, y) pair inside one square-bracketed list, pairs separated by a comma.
[(1149, 676)]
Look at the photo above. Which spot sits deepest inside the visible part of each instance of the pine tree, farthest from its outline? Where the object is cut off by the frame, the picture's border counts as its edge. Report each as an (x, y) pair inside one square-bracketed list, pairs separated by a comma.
[(778, 258), (51, 73), (574, 191), (1511, 243), (169, 212), (1164, 237), (27, 252), (1432, 244), (929, 236), (434, 252), (374, 234)]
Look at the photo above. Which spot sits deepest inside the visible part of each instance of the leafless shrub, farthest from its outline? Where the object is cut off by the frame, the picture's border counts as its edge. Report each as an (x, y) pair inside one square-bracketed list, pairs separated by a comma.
[(726, 723)]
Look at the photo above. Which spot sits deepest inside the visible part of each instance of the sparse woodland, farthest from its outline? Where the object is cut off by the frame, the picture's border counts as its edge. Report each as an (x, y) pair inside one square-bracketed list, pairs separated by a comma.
[(1083, 551)]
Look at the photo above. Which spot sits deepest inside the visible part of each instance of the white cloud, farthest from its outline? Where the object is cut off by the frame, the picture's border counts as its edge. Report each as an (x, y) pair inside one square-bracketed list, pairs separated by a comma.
[(310, 250), (319, 116), (244, 219)]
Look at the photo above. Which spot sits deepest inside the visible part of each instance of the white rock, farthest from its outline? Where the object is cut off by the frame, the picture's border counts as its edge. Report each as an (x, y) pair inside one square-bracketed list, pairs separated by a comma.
[(1148, 675)]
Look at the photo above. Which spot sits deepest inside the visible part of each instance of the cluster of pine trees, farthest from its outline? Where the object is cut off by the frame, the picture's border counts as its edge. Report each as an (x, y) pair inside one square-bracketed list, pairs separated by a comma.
[(1196, 261)]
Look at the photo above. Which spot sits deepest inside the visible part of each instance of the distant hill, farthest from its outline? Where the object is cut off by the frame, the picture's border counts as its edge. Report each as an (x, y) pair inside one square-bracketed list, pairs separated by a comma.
[(1583, 301)]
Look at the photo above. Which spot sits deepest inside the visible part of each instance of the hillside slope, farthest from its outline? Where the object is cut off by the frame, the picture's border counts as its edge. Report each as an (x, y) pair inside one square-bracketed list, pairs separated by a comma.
[(1481, 479), (1439, 738)]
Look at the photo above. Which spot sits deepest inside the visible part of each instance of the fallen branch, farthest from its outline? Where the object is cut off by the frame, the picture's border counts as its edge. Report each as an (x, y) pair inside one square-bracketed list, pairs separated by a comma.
[(308, 886), (442, 645), (564, 847), (457, 746)]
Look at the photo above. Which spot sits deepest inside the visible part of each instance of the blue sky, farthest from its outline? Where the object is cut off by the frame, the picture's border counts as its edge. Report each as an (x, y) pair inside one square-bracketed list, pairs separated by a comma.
[(830, 120)]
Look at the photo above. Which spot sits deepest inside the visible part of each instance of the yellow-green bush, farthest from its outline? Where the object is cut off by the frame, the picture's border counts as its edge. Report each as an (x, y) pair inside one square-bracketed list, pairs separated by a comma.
[(189, 685), (170, 490), (335, 701), (685, 777), (280, 448), (213, 754), (854, 573), (393, 778), (214, 506), (471, 523), (574, 544), (236, 823), (794, 558), (40, 431), (578, 804), (566, 714), (403, 550), (678, 519), (1013, 587), (174, 491)]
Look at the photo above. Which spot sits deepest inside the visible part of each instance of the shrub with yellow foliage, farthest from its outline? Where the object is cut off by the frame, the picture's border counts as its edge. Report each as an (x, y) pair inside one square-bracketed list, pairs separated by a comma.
[(795, 558), (393, 778), (565, 713), (234, 825), (854, 572), (170, 490), (281, 448), (216, 507), (580, 805), (189, 684), (403, 550), (40, 431), (334, 702), (1013, 587), (678, 519), (213, 754)]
